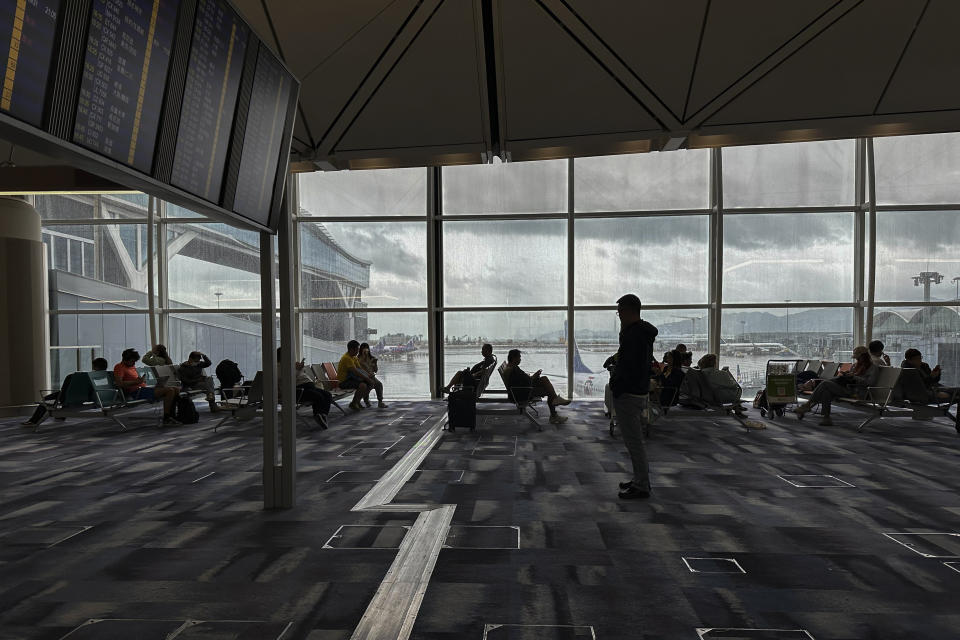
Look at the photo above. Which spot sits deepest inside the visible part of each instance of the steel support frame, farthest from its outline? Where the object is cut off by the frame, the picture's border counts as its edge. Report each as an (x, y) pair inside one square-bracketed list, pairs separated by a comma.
[(715, 286), (571, 275), (871, 241), (859, 226), (272, 484), (435, 280), (287, 258)]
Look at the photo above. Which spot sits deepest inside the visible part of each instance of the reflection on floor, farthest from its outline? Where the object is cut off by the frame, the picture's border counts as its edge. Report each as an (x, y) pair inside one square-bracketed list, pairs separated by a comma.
[(795, 531)]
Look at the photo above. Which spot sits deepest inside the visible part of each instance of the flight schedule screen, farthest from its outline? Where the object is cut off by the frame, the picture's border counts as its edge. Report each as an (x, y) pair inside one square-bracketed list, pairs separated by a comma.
[(209, 99), (124, 74), (262, 138), (27, 32)]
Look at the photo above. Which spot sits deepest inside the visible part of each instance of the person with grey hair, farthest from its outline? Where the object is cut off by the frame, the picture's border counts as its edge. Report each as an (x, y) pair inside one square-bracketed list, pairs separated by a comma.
[(630, 385)]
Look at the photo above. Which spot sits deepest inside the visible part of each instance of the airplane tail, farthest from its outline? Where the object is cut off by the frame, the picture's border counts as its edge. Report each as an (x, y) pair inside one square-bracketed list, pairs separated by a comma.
[(578, 365)]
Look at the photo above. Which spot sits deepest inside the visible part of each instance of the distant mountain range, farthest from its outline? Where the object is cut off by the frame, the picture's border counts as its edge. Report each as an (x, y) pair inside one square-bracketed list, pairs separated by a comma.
[(831, 320)]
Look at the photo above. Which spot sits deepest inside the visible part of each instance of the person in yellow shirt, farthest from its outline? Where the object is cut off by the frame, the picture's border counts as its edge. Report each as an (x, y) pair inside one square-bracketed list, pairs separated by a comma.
[(352, 376)]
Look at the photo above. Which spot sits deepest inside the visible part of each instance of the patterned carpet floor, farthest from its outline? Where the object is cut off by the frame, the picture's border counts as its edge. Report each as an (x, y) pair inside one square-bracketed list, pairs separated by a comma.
[(798, 530)]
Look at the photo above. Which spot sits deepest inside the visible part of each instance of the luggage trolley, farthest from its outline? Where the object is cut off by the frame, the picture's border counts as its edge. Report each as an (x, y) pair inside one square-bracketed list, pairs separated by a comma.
[(780, 387)]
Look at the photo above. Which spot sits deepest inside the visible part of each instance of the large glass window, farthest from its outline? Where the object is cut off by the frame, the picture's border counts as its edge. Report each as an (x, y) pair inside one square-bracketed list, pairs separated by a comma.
[(76, 339), (662, 259), (379, 192), (350, 264), (918, 169), (800, 174), (752, 337), (777, 257), (643, 181), (541, 337), (213, 266), (918, 256), (219, 336), (96, 266), (398, 341), (517, 187), (514, 262)]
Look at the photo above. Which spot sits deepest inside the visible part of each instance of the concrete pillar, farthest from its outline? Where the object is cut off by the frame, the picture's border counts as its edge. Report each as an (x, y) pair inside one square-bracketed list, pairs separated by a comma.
[(23, 353)]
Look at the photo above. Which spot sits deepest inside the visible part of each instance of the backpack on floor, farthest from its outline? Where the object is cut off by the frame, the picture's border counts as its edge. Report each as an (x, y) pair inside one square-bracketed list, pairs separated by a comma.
[(185, 411)]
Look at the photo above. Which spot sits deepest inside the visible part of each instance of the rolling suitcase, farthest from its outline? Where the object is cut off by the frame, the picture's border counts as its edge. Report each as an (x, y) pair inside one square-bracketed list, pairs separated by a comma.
[(462, 409)]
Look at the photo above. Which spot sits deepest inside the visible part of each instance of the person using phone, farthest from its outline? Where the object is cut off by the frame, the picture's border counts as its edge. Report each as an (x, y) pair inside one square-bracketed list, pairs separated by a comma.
[(523, 385), (133, 385), (913, 359)]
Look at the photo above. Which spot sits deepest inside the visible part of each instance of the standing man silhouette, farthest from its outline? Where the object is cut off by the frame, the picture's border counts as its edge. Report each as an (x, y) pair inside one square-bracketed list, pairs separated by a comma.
[(630, 385)]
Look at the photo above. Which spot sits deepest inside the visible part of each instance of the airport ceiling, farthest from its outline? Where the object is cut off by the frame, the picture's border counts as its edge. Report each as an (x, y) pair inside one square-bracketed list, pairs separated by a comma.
[(420, 82)]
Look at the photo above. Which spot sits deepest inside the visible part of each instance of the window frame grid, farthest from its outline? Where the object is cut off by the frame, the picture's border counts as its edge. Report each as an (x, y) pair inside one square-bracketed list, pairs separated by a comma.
[(863, 302)]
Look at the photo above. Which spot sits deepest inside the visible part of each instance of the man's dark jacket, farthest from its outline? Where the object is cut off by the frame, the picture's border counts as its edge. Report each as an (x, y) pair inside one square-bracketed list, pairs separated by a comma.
[(632, 373), (192, 374)]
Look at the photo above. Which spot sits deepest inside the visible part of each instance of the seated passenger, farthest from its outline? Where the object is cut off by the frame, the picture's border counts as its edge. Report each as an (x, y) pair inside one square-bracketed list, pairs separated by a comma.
[(308, 391), (99, 364), (670, 378), (536, 385), (856, 382), (913, 359), (125, 376), (470, 377), (877, 355), (352, 376), (157, 357), (722, 383), (192, 376), (369, 364)]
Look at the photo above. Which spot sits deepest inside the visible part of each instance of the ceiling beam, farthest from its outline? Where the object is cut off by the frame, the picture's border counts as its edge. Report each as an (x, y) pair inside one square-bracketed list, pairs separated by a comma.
[(607, 58), (768, 64), (404, 37)]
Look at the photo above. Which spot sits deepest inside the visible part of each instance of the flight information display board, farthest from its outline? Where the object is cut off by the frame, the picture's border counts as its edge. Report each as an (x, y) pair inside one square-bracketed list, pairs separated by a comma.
[(124, 74), (209, 99), (27, 35), (262, 137)]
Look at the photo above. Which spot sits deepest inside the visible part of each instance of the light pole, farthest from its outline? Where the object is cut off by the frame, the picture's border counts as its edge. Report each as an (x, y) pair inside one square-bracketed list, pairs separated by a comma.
[(956, 281), (743, 331), (788, 320), (927, 278), (218, 294)]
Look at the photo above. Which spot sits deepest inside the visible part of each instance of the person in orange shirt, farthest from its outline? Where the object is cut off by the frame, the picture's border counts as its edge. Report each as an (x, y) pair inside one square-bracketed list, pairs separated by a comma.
[(126, 377)]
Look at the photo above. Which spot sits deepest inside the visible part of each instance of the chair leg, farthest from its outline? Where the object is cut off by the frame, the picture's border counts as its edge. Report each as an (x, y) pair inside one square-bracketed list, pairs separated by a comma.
[(337, 405), (866, 422), (123, 427)]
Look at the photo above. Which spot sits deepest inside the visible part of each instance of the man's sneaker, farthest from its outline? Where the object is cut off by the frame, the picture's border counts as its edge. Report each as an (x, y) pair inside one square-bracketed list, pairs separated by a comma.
[(825, 421), (367, 403), (557, 419), (382, 405), (355, 406), (28, 423), (626, 485), (632, 493), (170, 421), (321, 420)]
